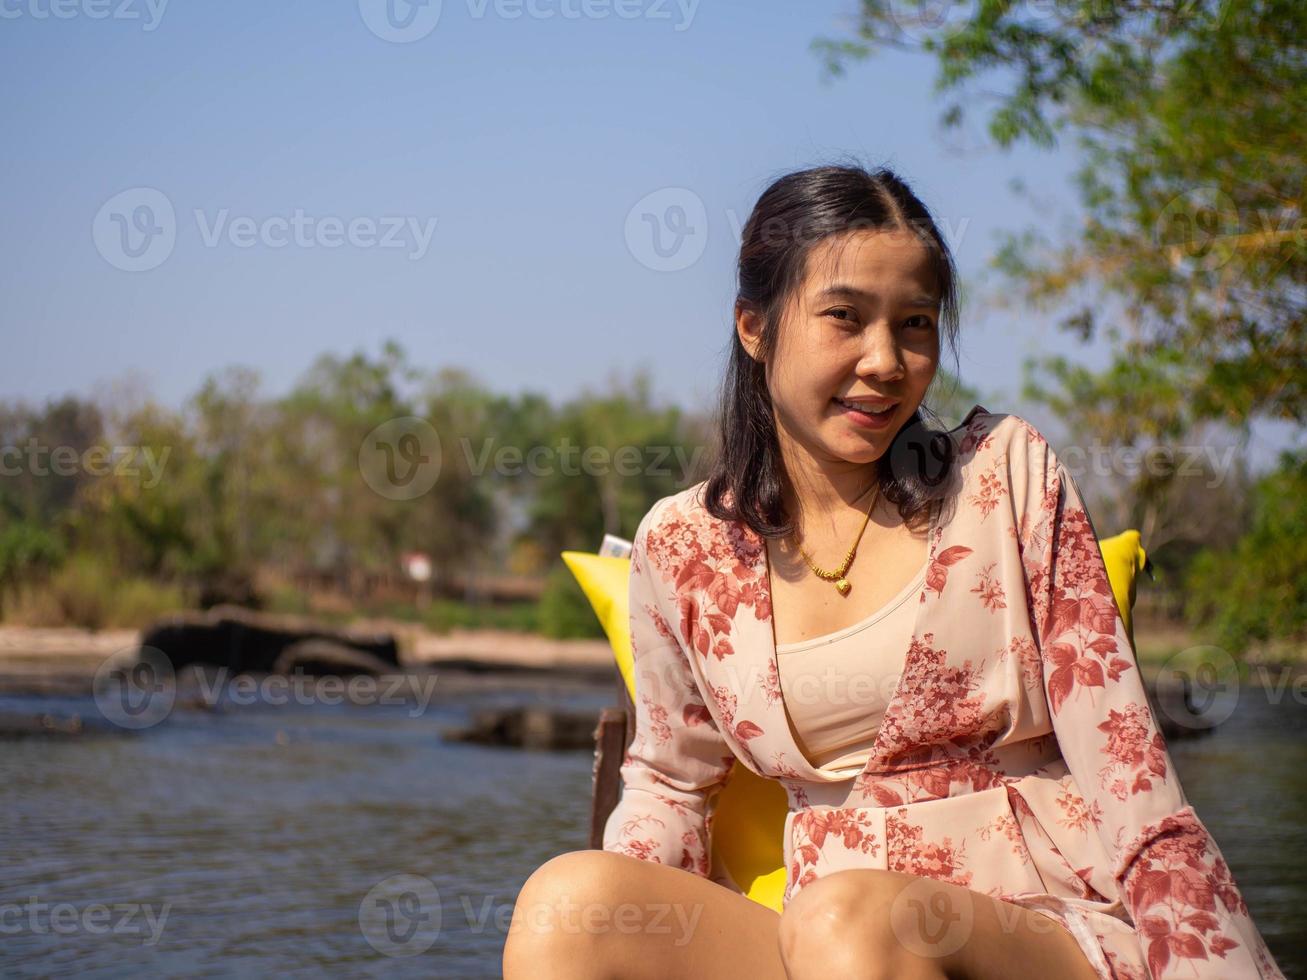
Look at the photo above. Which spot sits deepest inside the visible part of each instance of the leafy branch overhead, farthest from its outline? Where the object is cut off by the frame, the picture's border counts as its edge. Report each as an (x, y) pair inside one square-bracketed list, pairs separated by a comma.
[(1190, 252)]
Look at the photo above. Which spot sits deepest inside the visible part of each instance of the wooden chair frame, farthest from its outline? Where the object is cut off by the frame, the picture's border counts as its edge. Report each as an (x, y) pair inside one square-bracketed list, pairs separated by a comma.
[(613, 735)]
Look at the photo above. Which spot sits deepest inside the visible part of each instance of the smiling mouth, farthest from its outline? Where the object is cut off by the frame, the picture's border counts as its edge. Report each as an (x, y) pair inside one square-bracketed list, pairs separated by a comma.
[(867, 407)]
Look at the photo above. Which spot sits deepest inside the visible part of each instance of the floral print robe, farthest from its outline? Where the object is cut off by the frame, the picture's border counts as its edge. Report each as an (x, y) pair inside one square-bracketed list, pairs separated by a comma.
[(1018, 755)]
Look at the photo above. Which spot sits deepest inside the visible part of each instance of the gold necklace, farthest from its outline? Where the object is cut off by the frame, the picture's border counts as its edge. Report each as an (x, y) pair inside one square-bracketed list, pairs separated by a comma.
[(838, 576)]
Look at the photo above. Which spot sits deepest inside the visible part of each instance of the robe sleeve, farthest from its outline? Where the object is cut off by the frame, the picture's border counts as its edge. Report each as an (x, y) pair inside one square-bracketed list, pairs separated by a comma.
[(678, 759), (1190, 916)]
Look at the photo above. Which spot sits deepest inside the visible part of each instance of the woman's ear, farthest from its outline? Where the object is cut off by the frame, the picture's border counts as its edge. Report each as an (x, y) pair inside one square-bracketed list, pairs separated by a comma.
[(748, 325)]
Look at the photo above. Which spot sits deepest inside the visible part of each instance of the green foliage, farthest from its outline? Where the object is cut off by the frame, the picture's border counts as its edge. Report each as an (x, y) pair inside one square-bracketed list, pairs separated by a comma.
[(242, 483), (443, 615), (80, 594), (1256, 591), (609, 456), (139, 601), (564, 610), (27, 552), (89, 592), (289, 601), (37, 487)]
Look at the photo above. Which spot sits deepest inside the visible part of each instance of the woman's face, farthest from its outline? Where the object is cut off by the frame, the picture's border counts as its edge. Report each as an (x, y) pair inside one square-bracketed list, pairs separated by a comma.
[(863, 327)]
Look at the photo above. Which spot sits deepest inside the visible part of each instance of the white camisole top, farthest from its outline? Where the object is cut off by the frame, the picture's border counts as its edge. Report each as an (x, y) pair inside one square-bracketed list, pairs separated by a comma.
[(836, 687)]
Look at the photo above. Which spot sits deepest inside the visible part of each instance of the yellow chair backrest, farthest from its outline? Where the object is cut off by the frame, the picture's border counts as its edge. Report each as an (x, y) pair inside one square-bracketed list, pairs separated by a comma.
[(750, 815)]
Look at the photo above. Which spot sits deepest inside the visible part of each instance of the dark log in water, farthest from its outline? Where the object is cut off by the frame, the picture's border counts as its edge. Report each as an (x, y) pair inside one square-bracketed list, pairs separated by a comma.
[(15, 724), (242, 640), (531, 727)]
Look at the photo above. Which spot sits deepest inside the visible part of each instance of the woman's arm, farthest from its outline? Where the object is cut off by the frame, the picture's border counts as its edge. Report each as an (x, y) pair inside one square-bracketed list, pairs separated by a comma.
[(678, 759), (1189, 913)]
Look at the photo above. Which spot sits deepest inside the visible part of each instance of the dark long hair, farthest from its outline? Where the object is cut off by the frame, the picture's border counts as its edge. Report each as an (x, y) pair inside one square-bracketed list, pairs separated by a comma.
[(795, 213)]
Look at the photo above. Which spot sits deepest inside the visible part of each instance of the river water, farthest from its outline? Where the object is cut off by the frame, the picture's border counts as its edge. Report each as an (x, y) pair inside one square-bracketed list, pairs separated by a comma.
[(303, 839)]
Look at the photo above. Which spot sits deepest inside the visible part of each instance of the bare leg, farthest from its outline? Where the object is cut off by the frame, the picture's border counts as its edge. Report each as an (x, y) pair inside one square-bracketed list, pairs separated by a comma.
[(592, 914), (868, 923)]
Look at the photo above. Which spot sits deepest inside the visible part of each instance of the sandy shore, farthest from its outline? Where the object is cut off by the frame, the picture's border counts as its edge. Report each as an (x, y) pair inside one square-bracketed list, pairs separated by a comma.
[(493, 648)]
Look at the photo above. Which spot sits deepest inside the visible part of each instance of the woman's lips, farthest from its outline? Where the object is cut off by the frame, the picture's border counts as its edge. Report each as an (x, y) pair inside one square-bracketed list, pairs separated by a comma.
[(865, 419)]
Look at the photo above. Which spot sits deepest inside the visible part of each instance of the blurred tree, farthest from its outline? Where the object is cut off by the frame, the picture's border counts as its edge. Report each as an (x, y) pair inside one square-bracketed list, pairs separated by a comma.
[(139, 515), (1256, 591), (27, 553), (237, 508), (345, 527), (607, 458), (45, 453), (459, 518), (950, 398)]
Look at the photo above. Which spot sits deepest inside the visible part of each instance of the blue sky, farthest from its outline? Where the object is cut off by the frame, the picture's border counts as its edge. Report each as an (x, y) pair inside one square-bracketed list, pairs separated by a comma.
[(499, 155)]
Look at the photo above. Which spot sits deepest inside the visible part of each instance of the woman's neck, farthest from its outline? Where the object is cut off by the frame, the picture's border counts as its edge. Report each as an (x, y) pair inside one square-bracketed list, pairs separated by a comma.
[(821, 496)]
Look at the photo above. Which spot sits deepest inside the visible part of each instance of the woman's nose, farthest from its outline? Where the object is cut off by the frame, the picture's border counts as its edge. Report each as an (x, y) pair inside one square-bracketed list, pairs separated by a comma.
[(880, 357)]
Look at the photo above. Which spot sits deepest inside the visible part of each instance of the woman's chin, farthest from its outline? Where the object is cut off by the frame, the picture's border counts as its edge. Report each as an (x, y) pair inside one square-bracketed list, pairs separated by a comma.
[(859, 449)]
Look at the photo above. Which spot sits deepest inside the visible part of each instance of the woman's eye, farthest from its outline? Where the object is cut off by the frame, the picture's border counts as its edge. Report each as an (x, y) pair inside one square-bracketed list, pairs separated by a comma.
[(921, 321), (842, 314)]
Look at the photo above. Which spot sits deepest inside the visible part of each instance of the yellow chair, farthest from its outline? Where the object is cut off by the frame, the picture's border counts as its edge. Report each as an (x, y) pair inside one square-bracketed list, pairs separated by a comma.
[(751, 810)]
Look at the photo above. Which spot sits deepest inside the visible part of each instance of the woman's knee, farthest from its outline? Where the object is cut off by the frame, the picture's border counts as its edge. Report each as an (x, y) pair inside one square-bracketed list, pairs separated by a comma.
[(559, 892), (843, 924), (549, 914), (829, 924), (554, 907)]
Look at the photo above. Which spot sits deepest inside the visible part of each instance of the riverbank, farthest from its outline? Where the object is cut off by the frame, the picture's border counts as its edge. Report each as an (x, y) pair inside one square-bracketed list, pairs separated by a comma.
[(1161, 645), (64, 659)]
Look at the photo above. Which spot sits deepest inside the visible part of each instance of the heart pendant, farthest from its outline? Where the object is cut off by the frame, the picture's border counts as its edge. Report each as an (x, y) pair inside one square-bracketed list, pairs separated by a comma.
[(843, 585)]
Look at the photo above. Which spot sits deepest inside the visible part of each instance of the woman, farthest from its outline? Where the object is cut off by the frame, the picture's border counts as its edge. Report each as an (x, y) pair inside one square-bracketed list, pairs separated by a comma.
[(913, 632)]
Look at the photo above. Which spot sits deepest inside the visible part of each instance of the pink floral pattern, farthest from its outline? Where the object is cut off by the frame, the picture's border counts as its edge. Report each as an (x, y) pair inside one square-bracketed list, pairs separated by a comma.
[(989, 590), (913, 853), (937, 568), (1027, 655), (810, 830), (1018, 755), (989, 494)]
